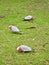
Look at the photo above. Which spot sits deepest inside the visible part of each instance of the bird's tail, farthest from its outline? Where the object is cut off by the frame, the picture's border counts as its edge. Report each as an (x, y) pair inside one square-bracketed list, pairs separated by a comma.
[(33, 50), (20, 32)]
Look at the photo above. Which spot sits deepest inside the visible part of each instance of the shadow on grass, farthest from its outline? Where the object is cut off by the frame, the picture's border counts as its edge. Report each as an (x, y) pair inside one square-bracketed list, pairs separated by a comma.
[(16, 33)]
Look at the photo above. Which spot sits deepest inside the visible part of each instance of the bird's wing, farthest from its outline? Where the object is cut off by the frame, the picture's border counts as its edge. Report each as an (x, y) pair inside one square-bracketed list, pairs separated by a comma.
[(15, 29)]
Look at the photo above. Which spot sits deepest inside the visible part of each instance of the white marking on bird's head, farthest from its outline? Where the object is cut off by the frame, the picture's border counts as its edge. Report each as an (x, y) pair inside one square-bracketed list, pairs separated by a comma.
[(18, 48)]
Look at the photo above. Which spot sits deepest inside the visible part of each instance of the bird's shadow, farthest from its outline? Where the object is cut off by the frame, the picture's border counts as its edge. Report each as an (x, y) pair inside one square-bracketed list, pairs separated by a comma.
[(16, 33)]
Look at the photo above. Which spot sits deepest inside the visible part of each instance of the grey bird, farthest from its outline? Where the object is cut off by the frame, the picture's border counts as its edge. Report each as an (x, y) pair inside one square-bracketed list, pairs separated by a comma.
[(24, 48), (28, 18), (15, 29)]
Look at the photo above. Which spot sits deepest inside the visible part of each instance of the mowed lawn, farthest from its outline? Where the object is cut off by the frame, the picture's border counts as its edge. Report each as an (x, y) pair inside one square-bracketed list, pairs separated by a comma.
[(12, 12)]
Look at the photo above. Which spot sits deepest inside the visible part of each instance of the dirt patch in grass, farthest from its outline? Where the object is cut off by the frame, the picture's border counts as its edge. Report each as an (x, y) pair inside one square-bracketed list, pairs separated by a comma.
[(1, 16)]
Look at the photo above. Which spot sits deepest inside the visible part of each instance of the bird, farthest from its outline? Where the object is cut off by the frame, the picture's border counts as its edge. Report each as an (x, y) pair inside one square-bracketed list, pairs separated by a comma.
[(14, 29), (28, 18), (24, 48)]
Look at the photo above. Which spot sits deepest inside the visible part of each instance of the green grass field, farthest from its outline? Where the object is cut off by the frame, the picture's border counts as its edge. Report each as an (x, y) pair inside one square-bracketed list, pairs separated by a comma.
[(12, 12)]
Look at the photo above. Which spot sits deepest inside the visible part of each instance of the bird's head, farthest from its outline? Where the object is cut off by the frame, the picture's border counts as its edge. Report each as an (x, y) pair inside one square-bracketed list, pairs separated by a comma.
[(19, 49), (10, 27)]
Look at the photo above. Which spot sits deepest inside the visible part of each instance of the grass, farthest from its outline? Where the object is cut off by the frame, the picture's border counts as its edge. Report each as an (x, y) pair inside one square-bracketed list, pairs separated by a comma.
[(13, 11)]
